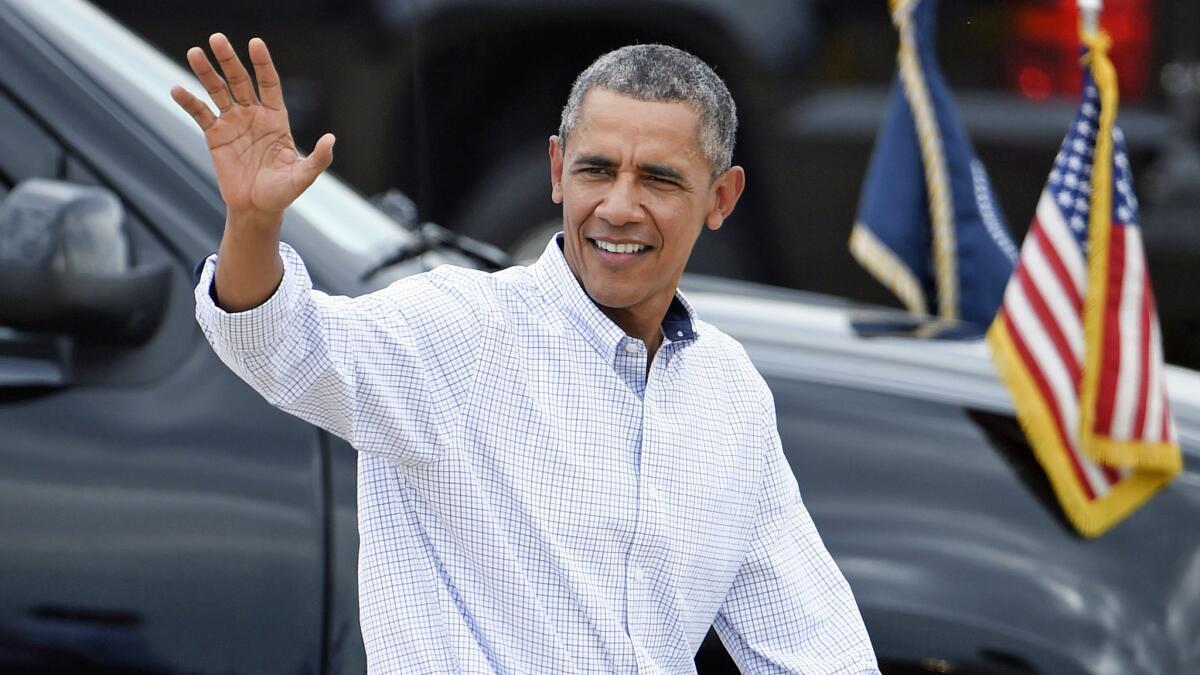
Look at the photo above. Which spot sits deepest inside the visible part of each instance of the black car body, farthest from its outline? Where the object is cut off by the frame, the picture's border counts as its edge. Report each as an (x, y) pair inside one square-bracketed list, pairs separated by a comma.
[(158, 516)]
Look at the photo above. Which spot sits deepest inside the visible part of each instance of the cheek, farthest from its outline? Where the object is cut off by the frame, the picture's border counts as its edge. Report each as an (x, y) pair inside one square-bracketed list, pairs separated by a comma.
[(678, 220), (578, 203), (574, 216)]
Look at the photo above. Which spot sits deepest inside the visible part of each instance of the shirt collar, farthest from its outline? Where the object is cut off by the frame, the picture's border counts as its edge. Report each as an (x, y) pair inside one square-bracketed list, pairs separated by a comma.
[(564, 291)]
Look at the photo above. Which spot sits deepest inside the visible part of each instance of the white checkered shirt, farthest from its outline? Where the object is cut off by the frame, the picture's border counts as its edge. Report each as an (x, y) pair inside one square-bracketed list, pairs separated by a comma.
[(530, 500)]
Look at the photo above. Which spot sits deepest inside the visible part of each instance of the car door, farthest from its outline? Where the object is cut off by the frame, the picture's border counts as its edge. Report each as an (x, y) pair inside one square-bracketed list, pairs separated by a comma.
[(156, 515), (956, 549)]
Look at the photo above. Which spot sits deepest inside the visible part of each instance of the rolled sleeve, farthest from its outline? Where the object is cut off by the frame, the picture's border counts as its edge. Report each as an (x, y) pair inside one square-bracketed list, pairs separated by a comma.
[(254, 330)]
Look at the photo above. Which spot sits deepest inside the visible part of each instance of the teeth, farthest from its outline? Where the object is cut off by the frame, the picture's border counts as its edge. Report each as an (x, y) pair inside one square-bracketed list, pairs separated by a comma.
[(619, 248)]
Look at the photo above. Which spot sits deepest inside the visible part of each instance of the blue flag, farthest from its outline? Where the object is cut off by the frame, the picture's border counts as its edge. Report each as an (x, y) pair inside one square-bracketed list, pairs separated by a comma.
[(928, 227)]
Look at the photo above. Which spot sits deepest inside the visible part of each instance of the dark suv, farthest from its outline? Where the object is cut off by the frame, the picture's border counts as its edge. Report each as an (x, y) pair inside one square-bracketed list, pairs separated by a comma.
[(157, 516)]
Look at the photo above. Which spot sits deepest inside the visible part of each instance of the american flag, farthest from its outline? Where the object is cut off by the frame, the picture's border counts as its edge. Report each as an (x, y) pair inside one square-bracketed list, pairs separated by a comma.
[(1077, 336)]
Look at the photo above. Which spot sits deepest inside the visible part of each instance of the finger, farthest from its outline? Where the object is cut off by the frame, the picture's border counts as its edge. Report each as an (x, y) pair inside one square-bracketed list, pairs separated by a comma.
[(194, 106), (317, 161), (264, 71), (209, 79), (235, 72)]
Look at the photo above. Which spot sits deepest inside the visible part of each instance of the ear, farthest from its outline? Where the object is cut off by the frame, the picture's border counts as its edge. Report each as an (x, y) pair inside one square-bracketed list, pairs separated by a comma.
[(727, 189), (556, 170)]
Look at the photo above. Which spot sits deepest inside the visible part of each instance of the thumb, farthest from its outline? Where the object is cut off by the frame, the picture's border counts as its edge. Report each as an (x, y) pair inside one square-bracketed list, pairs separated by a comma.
[(317, 161)]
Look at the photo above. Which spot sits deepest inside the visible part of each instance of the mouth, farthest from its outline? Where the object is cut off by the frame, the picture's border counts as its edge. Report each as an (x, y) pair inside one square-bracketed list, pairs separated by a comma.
[(618, 251)]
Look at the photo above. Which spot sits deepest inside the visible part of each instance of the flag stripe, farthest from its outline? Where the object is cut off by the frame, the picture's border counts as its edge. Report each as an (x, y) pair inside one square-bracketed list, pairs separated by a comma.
[(1157, 408), (1139, 418), (1030, 365), (1049, 323), (1059, 393), (1054, 262), (1057, 231), (1110, 339), (1050, 285), (1158, 392), (1168, 425), (1129, 319)]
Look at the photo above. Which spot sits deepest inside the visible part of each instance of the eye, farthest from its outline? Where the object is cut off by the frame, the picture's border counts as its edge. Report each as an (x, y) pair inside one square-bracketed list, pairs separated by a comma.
[(592, 171), (659, 181)]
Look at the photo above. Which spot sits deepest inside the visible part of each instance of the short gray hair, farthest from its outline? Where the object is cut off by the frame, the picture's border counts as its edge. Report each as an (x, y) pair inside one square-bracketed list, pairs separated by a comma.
[(663, 74)]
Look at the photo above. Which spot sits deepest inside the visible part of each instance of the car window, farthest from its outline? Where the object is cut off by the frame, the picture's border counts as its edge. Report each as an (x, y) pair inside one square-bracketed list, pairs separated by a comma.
[(141, 78), (26, 150), (29, 150)]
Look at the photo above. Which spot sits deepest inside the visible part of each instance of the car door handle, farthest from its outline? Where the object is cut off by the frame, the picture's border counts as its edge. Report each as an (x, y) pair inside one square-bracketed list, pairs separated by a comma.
[(34, 361)]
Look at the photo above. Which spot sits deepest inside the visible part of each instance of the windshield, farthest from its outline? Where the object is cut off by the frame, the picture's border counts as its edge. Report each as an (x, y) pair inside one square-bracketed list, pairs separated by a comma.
[(138, 74)]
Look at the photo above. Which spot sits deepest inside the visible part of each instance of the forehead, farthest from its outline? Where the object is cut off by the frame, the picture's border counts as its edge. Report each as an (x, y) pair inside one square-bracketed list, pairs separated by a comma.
[(626, 128)]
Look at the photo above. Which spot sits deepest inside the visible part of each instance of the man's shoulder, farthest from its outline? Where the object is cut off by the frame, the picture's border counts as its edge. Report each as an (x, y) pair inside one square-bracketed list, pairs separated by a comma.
[(716, 342), (726, 359), (726, 352)]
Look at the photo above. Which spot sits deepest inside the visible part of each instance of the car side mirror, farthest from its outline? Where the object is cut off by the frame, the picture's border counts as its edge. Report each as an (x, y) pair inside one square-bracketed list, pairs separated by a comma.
[(65, 266)]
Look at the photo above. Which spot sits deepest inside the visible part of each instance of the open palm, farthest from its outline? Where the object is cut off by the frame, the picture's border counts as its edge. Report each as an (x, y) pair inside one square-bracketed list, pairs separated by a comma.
[(258, 167)]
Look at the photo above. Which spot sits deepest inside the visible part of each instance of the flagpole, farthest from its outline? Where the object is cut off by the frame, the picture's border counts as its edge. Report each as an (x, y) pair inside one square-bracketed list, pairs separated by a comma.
[(1091, 15)]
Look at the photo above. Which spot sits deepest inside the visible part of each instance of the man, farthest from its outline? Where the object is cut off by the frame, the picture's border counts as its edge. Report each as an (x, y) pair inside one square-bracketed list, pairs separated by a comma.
[(562, 469)]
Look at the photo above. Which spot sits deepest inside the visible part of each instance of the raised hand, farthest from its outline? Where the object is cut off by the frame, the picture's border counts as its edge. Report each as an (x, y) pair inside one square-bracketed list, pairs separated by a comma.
[(259, 171)]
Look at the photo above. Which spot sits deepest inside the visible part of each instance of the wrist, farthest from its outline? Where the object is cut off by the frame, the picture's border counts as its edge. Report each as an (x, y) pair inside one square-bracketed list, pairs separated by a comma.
[(254, 221)]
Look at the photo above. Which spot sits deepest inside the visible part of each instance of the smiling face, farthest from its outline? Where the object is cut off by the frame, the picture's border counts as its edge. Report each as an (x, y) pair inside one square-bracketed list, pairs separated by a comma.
[(636, 191)]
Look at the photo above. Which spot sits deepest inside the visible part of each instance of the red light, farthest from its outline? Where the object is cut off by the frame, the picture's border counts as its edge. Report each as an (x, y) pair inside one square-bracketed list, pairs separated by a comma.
[(1035, 84), (1045, 46)]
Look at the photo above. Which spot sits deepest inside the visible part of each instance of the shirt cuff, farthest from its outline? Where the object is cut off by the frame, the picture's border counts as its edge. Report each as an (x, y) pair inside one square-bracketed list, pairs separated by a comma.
[(258, 329)]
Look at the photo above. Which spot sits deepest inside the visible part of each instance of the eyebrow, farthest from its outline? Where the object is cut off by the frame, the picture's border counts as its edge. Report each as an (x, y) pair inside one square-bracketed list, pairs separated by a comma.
[(662, 170), (595, 160)]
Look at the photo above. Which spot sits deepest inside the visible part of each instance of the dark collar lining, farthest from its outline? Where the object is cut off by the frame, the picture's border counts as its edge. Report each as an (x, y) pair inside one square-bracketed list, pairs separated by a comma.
[(677, 323)]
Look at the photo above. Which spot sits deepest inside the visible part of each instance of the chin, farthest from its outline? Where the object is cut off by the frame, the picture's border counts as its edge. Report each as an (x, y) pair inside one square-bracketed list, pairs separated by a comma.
[(613, 295)]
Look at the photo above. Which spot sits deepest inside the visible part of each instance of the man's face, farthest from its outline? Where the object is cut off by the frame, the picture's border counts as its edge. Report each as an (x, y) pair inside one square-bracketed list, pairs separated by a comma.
[(636, 191)]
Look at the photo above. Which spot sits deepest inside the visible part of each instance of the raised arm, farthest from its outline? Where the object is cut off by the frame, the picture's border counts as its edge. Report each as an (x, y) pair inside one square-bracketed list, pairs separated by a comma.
[(259, 170), (388, 370)]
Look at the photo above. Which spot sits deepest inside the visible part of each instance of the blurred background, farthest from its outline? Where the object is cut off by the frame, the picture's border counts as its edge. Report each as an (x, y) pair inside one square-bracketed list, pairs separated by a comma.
[(142, 537), (451, 102)]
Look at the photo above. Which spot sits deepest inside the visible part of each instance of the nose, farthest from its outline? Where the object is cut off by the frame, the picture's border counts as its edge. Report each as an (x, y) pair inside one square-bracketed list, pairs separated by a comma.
[(622, 204)]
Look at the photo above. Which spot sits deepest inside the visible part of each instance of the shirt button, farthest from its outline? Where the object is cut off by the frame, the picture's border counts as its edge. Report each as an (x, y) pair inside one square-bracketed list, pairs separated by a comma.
[(636, 573), (651, 493), (631, 347)]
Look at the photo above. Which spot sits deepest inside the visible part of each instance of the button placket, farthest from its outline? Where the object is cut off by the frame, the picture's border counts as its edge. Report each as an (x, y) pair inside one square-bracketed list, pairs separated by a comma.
[(630, 364)]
